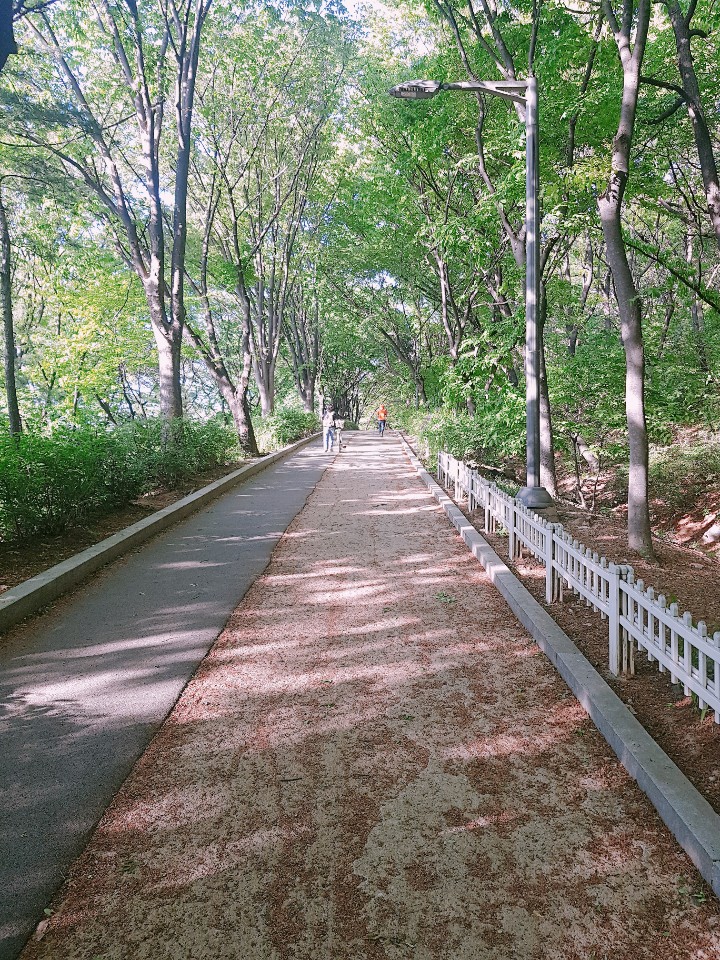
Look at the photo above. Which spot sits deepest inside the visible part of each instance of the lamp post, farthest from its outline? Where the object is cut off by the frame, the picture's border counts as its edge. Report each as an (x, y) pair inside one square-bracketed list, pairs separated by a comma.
[(525, 93)]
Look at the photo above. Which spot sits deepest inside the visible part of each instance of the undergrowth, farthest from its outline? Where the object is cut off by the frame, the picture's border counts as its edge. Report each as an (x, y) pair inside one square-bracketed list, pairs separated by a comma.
[(491, 437), (680, 475), (51, 482), (284, 426)]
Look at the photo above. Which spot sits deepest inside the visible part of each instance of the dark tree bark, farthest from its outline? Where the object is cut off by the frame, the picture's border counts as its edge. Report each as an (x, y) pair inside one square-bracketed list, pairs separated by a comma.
[(626, 293), (106, 408), (8, 325), (691, 94), (7, 36)]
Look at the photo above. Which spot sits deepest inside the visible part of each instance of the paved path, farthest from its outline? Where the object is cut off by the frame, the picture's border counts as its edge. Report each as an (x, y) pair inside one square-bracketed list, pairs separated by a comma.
[(84, 688), (374, 761)]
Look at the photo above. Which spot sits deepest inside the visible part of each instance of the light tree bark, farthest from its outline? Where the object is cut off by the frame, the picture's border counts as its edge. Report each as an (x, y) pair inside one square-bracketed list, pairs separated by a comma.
[(234, 391), (144, 250), (610, 205), (302, 337), (547, 445)]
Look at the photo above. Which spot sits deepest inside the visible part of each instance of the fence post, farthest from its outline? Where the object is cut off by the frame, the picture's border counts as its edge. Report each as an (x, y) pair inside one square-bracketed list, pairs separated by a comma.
[(716, 676), (628, 610), (687, 650), (614, 618), (702, 632), (549, 529), (512, 540)]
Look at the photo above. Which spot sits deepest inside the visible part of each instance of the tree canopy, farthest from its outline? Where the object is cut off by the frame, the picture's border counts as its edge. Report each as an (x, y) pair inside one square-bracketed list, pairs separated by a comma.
[(209, 210)]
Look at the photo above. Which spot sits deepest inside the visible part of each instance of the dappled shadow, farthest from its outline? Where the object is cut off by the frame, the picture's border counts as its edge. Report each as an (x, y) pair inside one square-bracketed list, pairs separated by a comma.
[(375, 756), (83, 688)]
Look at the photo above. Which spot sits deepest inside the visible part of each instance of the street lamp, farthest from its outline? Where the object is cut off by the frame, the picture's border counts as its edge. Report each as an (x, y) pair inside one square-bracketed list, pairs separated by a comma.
[(525, 93)]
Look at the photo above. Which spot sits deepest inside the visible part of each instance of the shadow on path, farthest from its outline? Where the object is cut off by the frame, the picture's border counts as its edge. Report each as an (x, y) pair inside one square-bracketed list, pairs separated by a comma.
[(84, 687), (375, 762)]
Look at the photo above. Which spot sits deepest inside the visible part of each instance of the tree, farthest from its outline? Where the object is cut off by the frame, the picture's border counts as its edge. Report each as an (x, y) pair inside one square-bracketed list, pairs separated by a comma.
[(8, 320), (302, 338), (262, 120), (692, 100), (119, 76), (631, 21)]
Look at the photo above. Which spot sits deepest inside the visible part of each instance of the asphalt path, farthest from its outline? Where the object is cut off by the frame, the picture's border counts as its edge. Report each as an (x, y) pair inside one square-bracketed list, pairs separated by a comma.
[(84, 688)]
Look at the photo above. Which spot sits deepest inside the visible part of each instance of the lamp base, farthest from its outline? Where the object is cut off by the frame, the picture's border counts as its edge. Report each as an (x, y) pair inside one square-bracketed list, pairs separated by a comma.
[(536, 498)]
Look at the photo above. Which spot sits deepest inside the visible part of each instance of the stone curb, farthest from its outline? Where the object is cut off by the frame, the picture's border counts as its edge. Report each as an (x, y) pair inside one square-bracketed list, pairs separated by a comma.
[(29, 597), (688, 815)]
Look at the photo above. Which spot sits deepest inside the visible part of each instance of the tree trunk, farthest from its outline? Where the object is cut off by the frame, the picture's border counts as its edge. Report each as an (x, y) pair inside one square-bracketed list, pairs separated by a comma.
[(628, 301), (265, 377), (169, 370), (691, 88), (8, 326), (8, 45), (308, 399), (547, 446), (626, 293), (240, 411)]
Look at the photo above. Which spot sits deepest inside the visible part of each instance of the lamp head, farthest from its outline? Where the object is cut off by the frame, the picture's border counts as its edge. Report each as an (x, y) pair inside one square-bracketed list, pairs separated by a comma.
[(416, 89)]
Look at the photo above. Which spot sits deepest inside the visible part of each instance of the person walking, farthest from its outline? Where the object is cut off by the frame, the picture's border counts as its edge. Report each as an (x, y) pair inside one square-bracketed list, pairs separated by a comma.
[(382, 416), (329, 430)]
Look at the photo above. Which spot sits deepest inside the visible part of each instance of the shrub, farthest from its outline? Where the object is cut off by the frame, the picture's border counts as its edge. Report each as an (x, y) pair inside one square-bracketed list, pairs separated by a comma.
[(48, 483), (494, 434), (680, 475), (286, 425)]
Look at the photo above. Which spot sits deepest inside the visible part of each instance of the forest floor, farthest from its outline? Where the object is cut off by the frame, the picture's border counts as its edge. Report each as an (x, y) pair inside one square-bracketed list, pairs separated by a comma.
[(376, 761), (684, 491), (20, 561)]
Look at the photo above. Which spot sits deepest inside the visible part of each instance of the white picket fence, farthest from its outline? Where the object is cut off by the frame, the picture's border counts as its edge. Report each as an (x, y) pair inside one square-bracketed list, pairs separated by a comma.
[(637, 617)]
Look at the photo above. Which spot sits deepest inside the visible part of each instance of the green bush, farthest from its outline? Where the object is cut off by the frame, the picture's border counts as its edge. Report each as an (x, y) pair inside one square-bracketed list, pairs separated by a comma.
[(680, 475), (286, 425), (494, 434), (48, 483)]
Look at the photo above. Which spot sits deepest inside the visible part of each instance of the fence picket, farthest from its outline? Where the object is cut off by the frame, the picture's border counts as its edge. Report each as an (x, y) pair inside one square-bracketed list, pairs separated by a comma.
[(635, 615)]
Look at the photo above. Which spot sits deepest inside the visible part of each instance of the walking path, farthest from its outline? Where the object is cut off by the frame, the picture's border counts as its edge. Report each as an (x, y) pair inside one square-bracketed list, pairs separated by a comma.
[(83, 689), (375, 761)]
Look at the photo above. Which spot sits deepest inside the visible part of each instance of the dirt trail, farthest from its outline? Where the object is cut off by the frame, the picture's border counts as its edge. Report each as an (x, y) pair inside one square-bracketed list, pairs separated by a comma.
[(375, 761)]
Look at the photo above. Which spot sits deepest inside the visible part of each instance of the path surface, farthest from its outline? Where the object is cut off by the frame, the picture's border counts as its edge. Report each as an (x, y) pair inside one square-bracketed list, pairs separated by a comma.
[(83, 689), (374, 761)]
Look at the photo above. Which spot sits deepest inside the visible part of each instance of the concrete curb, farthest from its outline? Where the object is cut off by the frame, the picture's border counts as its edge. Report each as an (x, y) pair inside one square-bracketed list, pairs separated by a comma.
[(29, 597), (690, 818)]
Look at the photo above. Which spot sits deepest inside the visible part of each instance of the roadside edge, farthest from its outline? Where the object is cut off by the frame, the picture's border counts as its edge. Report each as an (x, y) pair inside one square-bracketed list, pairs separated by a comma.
[(32, 595), (686, 813)]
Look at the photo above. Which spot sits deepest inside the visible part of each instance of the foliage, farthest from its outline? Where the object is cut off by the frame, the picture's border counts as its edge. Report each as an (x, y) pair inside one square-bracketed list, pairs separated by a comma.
[(681, 474), (394, 228), (51, 482), (286, 425), (494, 434)]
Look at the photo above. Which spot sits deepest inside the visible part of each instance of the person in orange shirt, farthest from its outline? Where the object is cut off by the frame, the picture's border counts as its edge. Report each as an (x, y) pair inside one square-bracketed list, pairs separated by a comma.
[(382, 415)]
